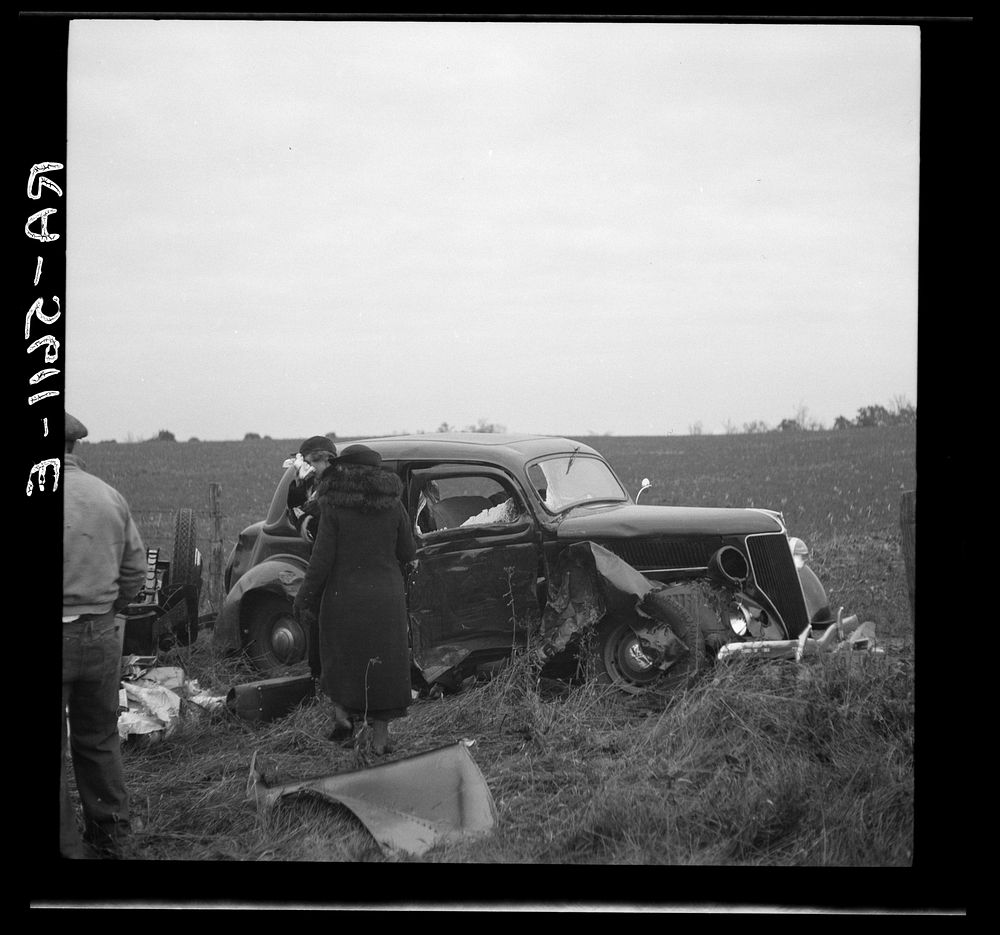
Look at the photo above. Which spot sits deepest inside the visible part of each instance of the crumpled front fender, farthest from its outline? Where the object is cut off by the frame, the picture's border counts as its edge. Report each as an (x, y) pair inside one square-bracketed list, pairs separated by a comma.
[(282, 576), (817, 602), (589, 581)]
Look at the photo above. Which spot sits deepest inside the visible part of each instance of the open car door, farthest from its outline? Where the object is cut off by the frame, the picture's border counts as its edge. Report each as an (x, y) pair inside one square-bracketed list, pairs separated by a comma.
[(473, 593)]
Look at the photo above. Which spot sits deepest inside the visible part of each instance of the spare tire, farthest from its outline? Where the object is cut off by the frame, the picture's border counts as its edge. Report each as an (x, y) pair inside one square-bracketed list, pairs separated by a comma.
[(185, 572)]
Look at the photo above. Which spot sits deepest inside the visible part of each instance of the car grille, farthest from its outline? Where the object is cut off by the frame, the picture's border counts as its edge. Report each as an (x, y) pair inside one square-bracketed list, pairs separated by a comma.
[(775, 574), (664, 553), (770, 559)]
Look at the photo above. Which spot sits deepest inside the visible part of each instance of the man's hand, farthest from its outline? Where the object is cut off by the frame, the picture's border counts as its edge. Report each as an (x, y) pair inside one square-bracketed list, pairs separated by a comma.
[(121, 603)]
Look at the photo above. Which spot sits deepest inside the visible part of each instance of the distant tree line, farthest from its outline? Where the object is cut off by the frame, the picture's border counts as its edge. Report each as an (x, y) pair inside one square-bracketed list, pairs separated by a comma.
[(901, 412), (165, 435)]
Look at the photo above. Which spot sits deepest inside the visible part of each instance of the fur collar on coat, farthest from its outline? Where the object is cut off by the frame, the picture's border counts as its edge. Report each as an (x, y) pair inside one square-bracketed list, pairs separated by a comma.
[(359, 487)]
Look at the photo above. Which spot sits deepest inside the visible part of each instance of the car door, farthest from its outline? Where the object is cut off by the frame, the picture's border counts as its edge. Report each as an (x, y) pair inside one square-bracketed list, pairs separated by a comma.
[(473, 589)]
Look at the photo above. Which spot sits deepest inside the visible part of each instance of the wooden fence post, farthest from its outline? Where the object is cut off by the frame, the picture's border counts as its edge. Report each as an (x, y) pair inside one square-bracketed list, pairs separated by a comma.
[(908, 529), (215, 569)]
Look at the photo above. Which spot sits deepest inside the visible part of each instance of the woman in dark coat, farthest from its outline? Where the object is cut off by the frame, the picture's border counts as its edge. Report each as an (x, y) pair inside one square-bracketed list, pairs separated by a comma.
[(355, 584)]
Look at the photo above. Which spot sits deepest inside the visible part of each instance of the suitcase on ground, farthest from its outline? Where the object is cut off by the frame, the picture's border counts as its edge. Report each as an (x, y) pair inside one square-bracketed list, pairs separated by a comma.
[(271, 698)]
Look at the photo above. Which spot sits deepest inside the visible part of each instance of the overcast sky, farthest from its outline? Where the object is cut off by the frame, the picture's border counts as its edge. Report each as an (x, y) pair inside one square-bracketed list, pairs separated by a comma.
[(293, 228)]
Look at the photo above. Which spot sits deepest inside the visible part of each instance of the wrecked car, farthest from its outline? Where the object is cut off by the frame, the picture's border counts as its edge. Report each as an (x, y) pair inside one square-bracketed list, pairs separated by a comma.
[(529, 542)]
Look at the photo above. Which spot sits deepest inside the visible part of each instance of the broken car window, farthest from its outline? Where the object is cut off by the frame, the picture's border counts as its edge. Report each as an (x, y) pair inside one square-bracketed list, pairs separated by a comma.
[(590, 480), (453, 502)]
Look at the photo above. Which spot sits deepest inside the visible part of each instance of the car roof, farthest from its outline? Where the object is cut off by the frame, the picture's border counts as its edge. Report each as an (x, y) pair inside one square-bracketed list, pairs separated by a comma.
[(506, 449)]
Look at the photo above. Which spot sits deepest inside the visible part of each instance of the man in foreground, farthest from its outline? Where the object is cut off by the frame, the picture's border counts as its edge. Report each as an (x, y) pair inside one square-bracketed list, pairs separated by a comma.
[(104, 567)]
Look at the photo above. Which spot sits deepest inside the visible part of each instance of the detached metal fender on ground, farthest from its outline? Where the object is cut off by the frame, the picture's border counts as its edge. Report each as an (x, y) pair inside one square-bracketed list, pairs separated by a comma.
[(408, 805)]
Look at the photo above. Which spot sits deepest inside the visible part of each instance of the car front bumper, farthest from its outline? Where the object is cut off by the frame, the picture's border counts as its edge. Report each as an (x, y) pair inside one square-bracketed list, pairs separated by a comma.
[(843, 635)]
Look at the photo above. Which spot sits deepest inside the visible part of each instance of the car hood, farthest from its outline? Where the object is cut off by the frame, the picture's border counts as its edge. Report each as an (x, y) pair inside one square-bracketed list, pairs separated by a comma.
[(625, 520)]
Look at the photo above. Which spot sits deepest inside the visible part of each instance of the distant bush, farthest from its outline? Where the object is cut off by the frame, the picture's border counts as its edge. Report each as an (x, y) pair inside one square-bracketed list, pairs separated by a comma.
[(193, 439), (251, 437), (164, 436), (903, 412), (487, 427), (481, 426)]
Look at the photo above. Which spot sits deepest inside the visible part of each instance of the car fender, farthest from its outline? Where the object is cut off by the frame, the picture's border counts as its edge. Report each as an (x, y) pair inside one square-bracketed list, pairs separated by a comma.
[(280, 575), (817, 602)]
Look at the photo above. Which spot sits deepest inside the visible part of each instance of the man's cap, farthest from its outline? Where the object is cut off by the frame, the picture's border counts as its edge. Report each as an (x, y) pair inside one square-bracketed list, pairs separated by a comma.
[(360, 454), (317, 443), (75, 429)]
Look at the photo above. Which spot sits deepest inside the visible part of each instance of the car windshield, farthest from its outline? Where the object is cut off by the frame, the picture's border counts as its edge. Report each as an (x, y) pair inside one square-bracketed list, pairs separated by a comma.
[(570, 480)]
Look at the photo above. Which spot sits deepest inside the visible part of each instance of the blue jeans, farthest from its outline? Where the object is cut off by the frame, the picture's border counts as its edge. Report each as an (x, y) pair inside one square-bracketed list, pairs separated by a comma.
[(91, 664)]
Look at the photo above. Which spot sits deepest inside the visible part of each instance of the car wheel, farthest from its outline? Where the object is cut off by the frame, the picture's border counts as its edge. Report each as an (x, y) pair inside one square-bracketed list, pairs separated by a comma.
[(621, 660), (185, 572), (274, 637)]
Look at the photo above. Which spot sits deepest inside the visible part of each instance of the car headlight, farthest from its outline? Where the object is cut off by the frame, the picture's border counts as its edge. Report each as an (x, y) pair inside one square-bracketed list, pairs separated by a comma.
[(739, 619), (800, 551)]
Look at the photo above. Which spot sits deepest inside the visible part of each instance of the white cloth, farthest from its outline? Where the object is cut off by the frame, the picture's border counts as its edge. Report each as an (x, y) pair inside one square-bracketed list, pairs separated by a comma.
[(505, 512)]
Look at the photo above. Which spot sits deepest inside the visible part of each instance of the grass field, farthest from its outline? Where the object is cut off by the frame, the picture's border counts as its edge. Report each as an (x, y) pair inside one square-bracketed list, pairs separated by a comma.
[(839, 491), (778, 764)]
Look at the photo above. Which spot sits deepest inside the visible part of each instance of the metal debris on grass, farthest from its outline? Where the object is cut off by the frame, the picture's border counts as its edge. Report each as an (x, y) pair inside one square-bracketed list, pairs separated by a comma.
[(408, 805)]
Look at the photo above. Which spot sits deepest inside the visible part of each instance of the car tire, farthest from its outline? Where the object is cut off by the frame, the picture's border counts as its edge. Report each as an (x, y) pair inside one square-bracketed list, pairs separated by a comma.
[(619, 660), (185, 572), (275, 639)]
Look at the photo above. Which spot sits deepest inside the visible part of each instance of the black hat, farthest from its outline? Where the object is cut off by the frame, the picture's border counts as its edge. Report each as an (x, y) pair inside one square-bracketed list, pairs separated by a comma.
[(317, 443), (75, 429), (360, 454)]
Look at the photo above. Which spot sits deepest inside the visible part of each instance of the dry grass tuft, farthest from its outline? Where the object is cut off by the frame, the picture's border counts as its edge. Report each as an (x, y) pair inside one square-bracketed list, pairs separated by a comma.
[(755, 763)]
